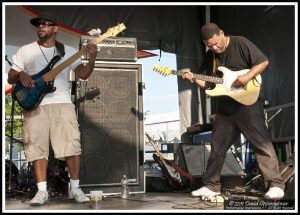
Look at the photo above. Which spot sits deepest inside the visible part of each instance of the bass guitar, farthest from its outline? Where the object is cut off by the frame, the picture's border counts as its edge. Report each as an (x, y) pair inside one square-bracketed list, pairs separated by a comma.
[(171, 170), (246, 95), (30, 98)]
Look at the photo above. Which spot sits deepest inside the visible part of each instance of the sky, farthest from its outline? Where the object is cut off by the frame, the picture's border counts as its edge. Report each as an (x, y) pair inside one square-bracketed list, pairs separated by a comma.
[(160, 94)]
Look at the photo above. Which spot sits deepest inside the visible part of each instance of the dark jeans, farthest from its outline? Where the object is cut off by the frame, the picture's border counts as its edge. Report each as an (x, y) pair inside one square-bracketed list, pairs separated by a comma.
[(250, 121)]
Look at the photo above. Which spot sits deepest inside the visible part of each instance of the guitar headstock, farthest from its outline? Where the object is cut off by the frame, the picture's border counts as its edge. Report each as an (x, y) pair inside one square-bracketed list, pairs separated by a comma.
[(111, 32), (163, 70)]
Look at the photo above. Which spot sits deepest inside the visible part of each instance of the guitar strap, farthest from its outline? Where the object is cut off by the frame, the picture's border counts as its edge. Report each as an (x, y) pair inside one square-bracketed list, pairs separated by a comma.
[(214, 63), (212, 72), (60, 48)]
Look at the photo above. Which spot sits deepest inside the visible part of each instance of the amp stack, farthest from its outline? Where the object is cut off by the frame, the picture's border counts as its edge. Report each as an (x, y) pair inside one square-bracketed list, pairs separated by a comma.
[(110, 115)]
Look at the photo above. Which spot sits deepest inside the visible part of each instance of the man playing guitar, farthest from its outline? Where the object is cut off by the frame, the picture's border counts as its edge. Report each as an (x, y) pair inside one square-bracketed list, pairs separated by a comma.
[(235, 53), (54, 119)]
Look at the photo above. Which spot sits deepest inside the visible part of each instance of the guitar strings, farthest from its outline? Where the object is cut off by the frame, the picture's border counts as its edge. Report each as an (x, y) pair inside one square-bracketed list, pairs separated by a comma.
[(22, 94)]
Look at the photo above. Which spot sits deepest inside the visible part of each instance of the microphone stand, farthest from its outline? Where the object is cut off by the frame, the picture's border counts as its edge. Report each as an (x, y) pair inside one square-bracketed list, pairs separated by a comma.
[(11, 139), (11, 133)]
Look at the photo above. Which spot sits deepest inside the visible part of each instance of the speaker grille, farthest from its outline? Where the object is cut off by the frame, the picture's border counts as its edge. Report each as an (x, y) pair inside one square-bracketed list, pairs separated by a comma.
[(196, 157), (111, 129)]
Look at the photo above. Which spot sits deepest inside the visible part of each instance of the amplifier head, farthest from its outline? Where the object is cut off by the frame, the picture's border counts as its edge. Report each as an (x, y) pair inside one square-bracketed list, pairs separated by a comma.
[(113, 49)]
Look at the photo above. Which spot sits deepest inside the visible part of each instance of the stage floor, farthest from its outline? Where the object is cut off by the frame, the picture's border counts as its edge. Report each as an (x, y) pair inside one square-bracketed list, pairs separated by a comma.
[(151, 201), (164, 202), (156, 201)]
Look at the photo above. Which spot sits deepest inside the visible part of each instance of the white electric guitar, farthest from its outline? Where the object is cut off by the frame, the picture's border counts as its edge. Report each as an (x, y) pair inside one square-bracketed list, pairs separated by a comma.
[(246, 95)]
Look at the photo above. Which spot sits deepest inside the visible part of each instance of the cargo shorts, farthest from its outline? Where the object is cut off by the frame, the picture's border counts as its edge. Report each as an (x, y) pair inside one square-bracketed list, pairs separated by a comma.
[(54, 124)]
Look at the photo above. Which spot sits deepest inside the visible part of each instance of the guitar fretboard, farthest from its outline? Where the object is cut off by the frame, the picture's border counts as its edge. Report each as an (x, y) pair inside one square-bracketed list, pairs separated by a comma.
[(54, 72), (212, 79), (155, 147)]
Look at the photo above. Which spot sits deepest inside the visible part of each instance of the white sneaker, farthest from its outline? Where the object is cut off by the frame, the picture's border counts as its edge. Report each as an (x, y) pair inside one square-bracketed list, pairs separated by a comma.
[(40, 198), (78, 195), (274, 193), (205, 193)]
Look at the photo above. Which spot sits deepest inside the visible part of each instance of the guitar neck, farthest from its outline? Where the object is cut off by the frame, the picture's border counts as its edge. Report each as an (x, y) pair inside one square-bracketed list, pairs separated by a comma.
[(155, 147), (211, 79), (99, 39), (55, 71)]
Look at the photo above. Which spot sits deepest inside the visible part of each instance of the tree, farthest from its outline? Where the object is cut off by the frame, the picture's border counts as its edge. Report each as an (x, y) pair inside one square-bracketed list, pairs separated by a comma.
[(17, 122)]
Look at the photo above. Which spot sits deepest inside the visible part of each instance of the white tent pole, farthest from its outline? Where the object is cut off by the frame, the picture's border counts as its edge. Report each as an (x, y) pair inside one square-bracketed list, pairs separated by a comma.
[(208, 99)]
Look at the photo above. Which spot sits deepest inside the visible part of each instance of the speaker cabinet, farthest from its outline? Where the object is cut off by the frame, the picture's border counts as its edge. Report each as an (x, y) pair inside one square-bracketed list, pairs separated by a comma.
[(110, 115), (196, 156)]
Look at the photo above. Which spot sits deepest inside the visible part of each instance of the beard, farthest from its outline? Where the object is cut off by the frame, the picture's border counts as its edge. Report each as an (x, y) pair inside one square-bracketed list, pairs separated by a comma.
[(44, 36)]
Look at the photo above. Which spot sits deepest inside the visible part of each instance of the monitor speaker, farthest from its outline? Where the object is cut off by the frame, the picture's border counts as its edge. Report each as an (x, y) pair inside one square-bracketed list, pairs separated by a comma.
[(110, 115)]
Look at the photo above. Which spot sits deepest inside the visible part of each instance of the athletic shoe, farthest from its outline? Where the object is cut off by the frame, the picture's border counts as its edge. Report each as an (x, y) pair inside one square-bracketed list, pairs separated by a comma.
[(41, 197), (274, 193), (78, 195), (205, 193)]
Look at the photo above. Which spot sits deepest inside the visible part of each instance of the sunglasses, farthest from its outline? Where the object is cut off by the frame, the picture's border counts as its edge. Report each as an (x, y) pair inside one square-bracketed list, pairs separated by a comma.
[(45, 24)]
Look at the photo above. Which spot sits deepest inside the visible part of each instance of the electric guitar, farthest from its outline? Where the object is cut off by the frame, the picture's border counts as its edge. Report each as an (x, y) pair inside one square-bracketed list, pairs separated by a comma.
[(30, 98), (246, 95), (171, 170)]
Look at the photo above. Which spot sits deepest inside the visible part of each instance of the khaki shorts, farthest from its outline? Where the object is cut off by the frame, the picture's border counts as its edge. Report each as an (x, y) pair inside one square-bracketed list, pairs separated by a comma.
[(54, 124)]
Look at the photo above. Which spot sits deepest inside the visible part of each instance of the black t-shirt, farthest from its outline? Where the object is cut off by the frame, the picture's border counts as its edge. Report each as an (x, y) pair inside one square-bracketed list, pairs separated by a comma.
[(240, 54)]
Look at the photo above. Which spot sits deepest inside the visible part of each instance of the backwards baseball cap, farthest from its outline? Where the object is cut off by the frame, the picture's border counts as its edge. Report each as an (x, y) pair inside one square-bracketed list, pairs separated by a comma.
[(46, 16)]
